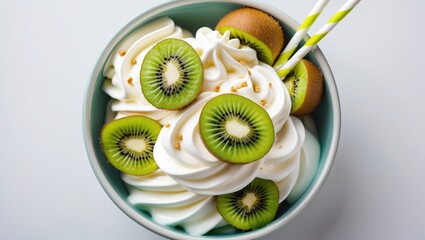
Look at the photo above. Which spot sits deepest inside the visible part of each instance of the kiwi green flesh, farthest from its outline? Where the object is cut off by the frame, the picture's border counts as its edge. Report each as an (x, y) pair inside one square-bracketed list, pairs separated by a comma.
[(252, 207), (296, 83), (171, 75), (128, 144), (235, 129), (264, 53)]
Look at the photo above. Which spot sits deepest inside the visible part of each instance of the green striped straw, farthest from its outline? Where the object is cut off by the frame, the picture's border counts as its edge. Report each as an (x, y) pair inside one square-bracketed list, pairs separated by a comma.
[(300, 33), (308, 46)]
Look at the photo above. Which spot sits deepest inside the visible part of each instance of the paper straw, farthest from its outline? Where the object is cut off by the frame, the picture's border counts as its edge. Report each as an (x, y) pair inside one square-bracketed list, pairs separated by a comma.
[(300, 33), (308, 46)]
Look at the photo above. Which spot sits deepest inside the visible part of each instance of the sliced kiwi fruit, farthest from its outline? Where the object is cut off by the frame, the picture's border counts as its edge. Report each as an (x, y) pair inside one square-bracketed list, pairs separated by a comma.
[(171, 75), (252, 207), (305, 86), (255, 29), (235, 129), (128, 144)]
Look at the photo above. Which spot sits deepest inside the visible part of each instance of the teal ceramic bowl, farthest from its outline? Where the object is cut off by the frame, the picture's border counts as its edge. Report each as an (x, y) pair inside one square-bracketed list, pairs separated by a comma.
[(191, 15)]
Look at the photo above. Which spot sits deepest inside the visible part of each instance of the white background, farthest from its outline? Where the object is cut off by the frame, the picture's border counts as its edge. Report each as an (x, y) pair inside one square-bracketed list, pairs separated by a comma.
[(48, 190)]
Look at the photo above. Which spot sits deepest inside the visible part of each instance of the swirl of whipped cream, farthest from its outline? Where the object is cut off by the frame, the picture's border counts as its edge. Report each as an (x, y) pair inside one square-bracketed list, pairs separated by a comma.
[(309, 160), (232, 67), (229, 67), (170, 204), (122, 69), (180, 192), (164, 198), (180, 152), (281, 164)]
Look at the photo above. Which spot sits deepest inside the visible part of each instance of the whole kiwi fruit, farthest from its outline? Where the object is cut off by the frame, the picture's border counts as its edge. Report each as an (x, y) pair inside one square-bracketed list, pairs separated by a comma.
[(256, 29), (305, 85)]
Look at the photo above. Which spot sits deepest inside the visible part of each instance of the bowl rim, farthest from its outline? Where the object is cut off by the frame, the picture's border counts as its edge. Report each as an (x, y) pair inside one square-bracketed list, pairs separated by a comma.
[(162, 230)]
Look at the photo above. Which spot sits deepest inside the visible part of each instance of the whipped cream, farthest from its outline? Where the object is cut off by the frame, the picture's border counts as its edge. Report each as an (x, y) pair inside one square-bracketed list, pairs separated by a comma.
[(182, 191), (170, 204), (232, 67), (229, 67)]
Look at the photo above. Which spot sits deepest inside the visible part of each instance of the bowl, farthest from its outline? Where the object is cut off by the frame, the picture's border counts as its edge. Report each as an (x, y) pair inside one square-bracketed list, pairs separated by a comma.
[(191, 15)]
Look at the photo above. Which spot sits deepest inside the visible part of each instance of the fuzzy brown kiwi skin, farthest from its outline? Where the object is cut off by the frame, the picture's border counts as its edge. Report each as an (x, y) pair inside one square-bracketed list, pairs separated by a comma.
[(314, 90), (257, 23)]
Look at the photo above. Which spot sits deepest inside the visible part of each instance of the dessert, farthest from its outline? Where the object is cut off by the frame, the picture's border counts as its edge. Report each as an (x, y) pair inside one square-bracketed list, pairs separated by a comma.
[(192, 175)]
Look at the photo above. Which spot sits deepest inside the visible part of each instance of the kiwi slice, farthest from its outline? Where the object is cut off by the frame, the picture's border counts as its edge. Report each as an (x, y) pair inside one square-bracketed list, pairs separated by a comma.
[(171, 75), (305, 86), (128, 144), (255, 29), (236, 129), (252, 207)]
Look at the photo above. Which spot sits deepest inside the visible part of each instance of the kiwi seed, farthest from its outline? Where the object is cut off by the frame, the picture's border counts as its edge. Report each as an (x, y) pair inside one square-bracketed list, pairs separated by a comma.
[(171, 75), (235, 129), (252, 207), (305, 86), (255, 29), (128, 144)]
